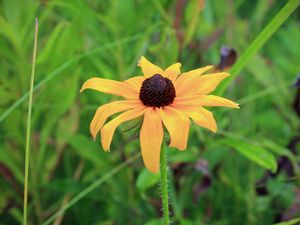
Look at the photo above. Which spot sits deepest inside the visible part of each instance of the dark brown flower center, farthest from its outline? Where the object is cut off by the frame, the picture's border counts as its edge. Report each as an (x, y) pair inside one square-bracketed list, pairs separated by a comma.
[(157, 91)]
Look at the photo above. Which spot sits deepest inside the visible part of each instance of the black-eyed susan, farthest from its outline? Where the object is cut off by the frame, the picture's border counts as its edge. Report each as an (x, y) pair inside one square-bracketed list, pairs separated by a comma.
[(164, 98)]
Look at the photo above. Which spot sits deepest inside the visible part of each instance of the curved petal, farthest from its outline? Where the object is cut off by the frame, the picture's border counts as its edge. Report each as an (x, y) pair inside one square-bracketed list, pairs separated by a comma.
[(213, 100), (187, 76), (178, 126), (108, 130), (151, 137), (200, 116), (136, 82), (173, 71), (148, 68), (105, 111), (201, 85), (204, 100), (110, 87)]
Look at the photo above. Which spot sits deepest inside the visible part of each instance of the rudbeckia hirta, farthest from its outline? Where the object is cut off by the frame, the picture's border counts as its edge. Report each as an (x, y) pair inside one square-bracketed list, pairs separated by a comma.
[(165, 98)]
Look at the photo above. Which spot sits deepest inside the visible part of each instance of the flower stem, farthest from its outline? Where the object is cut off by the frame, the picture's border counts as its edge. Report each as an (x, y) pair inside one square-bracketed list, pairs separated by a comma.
[(164, 184), (27, 149)]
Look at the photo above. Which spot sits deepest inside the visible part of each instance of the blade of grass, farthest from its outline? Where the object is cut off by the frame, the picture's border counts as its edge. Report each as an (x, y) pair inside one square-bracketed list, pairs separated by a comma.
[(160, 9), (27, 150), (259, 41), (63, 67), (75, 59), (290, 222), (90, 188), (260, 94), (36, 87), (67, 198)]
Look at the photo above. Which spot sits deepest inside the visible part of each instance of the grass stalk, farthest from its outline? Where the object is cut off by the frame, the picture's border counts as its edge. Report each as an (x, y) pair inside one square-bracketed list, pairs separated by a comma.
[(27, 148), (259, 41), (90, 188), (63, 67)]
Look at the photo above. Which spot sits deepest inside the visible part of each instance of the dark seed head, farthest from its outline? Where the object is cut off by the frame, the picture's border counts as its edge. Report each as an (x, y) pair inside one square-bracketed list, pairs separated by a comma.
[(157, 91)]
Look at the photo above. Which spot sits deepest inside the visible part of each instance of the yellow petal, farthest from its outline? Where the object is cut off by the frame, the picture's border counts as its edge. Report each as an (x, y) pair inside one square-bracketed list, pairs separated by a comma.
[(108, 130), (136, 82), (201, 85), (173, 71), (148, 68), (200, 116), (151, 137), (212, 100), (178, 126), (189, 76), (105, 111), (110, 87), (204, 100)]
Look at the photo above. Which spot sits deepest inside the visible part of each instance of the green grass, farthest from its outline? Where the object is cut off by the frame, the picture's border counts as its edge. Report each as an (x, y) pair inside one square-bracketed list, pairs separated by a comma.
[(261, 39), (217, 181), (28, 126)]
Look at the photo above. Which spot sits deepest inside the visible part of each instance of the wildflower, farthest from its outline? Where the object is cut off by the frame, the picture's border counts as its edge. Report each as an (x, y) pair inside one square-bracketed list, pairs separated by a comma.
[(164, 97)]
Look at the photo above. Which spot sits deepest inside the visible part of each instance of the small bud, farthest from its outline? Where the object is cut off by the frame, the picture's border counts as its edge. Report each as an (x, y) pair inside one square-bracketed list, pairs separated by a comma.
[(297, 82), (228, 57)]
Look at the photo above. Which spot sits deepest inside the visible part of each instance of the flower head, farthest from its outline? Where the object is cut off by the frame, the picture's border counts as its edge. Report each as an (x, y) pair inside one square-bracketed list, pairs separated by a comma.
[(166, 98)]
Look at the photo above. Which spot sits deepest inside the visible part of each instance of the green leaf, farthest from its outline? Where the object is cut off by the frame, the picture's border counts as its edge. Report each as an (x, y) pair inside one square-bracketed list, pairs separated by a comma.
[(11, 164), (186, 222), (255, 153), (196, 8), (146, 180), (282, 151), (46, 52), (88, 149), (290, 222), (176, 156), (154, 222)]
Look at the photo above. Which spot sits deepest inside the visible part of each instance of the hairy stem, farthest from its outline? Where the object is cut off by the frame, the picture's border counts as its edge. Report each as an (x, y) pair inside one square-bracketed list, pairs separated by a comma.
[(164, 184)]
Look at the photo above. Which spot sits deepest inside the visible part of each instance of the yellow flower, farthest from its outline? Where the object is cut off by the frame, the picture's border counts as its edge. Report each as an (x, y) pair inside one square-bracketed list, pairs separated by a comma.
[(164, 97)]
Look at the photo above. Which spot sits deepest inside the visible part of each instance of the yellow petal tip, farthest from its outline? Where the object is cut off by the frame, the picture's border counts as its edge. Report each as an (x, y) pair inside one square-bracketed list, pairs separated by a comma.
[(105, 148), (93, 133), (140, 61), (227, 74), (153, 170), (209, 67), (151, 167), (181, 148), (179, 64)]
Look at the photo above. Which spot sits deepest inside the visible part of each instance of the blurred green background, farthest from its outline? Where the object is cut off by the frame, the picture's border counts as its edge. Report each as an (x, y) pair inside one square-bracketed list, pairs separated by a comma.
[(224, 178)]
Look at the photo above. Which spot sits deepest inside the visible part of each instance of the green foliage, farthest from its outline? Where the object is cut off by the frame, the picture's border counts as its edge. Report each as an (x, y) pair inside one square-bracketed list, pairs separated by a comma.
[(255, 153), (290, 222), (218, 180), (146, 180)]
